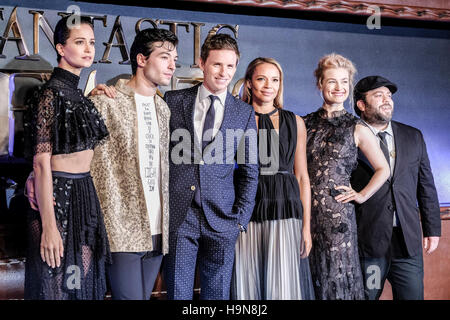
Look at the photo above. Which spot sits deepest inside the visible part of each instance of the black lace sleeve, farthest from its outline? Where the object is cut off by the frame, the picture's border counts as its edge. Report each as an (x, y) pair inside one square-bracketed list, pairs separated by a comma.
[(38, 122), (44, 115)]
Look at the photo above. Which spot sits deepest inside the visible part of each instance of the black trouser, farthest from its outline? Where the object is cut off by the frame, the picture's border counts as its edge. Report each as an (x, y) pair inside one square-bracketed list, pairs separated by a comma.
[(405, 273)]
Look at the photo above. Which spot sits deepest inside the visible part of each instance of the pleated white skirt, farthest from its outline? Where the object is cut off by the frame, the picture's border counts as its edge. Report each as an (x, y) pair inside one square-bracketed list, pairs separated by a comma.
[(268, 263)]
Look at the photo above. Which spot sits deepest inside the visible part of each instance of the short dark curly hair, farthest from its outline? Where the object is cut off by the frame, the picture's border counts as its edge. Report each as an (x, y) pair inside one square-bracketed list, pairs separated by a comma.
[(219, 41), (144, 43)]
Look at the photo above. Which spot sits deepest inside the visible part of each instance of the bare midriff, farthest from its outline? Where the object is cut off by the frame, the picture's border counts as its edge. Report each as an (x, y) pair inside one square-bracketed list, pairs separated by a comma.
[(77, 162)]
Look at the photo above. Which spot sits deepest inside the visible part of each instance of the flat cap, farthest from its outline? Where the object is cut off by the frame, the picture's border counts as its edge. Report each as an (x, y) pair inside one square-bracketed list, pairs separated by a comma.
[(370, 83)]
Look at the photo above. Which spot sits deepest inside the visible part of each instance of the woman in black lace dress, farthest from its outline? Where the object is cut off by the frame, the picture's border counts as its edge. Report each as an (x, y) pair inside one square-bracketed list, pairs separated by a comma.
[(334, 137), (271, 259), (68, 245)]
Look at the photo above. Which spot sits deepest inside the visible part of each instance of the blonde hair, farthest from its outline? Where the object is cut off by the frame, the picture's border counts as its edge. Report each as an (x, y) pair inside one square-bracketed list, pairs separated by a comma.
[(247, 95), (334, 60)]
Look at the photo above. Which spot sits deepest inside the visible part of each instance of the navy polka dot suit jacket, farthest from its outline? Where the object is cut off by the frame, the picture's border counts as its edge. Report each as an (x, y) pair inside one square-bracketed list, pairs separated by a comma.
[(227, 191)]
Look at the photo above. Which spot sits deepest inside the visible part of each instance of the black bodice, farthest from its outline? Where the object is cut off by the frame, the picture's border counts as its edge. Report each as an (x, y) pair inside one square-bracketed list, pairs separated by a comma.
[(285, 139), (60, 119)]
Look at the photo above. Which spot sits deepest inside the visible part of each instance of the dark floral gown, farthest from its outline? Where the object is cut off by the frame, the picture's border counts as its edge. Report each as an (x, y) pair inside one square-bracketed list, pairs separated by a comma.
[(332, 156)]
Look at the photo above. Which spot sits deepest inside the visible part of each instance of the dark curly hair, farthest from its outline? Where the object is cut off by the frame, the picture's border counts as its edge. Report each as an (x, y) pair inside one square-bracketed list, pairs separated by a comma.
[(144, 43)]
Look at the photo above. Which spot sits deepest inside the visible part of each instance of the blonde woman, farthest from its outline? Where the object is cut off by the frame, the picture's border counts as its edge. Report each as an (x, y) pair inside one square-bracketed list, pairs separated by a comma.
[(333, 139)]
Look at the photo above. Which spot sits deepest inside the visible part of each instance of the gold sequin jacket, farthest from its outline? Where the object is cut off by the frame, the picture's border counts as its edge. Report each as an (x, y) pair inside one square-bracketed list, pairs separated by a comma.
[(115, 170)]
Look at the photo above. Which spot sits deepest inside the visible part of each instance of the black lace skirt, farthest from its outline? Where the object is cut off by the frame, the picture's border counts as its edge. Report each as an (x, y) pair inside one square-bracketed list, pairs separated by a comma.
[(81, 275)]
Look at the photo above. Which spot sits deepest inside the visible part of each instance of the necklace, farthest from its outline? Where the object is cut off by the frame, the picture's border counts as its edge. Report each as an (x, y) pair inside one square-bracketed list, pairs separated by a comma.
[(266, 114)]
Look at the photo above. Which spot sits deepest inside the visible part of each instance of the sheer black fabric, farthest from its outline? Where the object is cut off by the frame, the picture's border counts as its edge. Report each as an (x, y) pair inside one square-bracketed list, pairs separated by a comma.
[(332, 156), (81, 275), (60, 119)]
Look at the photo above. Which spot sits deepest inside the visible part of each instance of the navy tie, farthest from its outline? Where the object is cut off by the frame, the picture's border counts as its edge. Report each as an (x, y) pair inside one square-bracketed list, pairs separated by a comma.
[(207, 137), (209, 123)]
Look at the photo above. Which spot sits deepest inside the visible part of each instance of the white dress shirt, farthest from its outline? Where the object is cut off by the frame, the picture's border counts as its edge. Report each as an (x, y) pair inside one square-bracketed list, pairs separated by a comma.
[(202, 104)]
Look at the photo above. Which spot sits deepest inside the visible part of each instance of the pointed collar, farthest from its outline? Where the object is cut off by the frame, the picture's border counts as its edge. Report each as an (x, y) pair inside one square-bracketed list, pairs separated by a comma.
[(375, 131), (205, 93)]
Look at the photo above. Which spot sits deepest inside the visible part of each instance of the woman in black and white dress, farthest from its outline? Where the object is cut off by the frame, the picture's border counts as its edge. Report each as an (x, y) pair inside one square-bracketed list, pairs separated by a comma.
[(272, 256)]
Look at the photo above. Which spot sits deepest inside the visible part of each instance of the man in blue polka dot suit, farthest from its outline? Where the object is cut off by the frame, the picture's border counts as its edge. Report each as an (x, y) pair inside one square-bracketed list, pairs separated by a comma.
[(210, 199)]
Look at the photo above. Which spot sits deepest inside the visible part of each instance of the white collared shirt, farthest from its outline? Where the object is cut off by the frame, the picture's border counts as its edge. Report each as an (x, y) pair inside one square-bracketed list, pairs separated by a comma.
[(202, 104)]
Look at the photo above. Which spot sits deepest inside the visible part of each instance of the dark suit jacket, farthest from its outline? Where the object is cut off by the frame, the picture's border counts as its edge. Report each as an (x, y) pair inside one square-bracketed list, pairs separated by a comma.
[(227, 195), (412, 184)]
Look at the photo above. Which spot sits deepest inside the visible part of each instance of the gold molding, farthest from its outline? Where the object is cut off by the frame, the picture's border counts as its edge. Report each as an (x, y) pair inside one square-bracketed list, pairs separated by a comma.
[(388, 10)]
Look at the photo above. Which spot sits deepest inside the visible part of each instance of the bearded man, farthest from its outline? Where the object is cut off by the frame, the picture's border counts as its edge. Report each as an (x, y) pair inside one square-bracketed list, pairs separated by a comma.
[(404, 213)]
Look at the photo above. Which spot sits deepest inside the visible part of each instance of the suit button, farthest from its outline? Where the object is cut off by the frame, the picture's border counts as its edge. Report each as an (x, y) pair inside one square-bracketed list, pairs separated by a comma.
[(390, 207), (193, 188)]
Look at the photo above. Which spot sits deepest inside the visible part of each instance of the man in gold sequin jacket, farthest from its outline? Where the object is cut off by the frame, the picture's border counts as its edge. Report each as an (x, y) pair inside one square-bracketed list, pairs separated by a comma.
[(131, 170)]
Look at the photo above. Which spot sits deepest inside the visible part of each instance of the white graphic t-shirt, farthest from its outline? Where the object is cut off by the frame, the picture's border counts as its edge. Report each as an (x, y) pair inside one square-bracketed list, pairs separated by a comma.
[(148, 142)]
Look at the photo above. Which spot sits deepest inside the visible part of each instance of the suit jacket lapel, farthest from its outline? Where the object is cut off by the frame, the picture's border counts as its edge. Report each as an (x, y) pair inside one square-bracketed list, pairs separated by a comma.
[(188, 107), (228, 117), (228, 114)]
